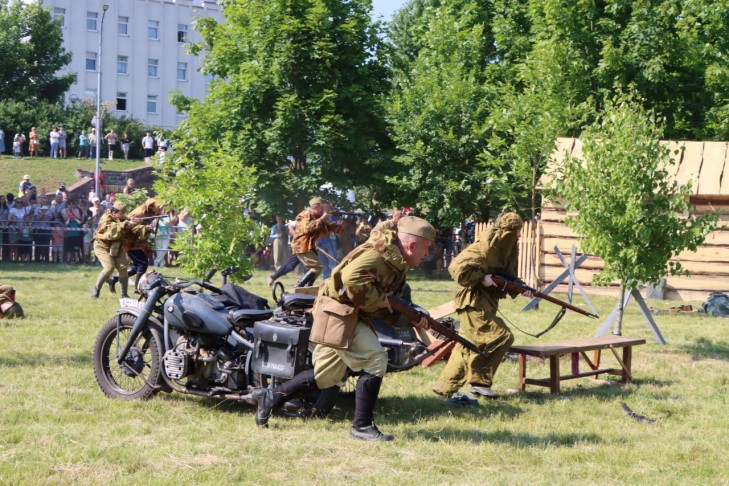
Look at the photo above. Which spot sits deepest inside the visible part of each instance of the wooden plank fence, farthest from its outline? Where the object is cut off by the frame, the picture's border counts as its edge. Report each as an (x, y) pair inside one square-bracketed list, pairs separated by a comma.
[(529, 251)]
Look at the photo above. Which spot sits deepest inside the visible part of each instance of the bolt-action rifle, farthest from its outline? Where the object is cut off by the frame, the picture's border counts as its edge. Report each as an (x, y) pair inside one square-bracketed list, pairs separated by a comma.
[(508, 281), (399, 305)]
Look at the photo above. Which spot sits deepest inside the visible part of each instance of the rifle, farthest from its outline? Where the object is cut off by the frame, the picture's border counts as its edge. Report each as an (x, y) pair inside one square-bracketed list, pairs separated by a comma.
[(511, 282), (399, 305), (146, 218)]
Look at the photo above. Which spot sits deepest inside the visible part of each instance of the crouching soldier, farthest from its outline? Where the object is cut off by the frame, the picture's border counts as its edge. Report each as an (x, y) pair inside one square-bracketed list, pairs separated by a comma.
[(9, 308), (356, 292)]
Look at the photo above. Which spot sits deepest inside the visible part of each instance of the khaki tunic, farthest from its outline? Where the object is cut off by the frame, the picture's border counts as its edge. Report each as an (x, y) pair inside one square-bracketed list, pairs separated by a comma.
[(361, 281), (108, 244), (476, 305)]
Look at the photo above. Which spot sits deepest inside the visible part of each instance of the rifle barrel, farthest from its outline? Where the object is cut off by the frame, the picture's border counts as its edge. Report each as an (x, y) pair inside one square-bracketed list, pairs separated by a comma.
[(499, 280)]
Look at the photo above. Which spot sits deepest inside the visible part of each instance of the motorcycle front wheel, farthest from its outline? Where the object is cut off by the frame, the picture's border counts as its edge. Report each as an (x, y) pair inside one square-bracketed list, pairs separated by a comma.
[(139, 375)]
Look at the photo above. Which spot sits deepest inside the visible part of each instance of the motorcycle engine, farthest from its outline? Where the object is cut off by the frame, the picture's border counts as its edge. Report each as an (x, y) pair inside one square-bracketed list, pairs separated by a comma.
[(202, 366)]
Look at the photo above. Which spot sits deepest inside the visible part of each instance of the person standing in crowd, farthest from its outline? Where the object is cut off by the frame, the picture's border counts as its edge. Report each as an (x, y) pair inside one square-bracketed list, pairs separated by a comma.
[(73, 243), (26, 185), (58, 232), (83, 145), (477, 303), (42, 230), (280, 237), (62, 138), (162, 240), (111, 139), (34, 145), (62, 191), (346, 304), (92, 143), (125, 142), (53, 139), (18, 146), (129, 187), (2, 143), (113, 228), (148, 146)]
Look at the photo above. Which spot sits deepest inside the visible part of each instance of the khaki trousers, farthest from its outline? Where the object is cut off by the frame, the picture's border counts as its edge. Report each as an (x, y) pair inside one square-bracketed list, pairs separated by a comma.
[(365, 354), (280, 253), (489, 333), (109, 263), (311, 262)]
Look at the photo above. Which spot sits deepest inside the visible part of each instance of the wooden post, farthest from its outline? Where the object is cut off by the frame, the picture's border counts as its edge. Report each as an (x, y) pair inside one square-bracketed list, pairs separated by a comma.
[(554, 374)]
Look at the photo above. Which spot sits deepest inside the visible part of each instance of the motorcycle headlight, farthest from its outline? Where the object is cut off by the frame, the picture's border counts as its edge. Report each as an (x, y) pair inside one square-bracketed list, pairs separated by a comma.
[(145, 283)]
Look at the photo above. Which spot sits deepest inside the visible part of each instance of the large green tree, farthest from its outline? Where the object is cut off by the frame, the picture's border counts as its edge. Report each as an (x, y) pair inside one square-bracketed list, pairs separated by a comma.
[(296, 95), (32, 53)]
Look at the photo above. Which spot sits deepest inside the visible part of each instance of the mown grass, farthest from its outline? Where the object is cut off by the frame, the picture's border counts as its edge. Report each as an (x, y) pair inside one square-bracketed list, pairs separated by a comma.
[(48, 173), (58, 428)]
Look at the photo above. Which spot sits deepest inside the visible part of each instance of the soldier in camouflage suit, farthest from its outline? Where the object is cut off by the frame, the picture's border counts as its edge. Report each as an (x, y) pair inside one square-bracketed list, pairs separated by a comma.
[(476, 304), (356, 292), (9, 308)]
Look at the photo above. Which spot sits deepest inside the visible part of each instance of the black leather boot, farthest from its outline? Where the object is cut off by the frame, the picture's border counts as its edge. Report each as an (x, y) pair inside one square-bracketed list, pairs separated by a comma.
[(308, 279), (269, 399), (363, 425), (112, 283), (95, 292)]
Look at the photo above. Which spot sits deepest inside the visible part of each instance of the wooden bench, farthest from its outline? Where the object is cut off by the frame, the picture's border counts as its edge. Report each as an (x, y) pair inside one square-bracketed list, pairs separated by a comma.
[(577, 348)]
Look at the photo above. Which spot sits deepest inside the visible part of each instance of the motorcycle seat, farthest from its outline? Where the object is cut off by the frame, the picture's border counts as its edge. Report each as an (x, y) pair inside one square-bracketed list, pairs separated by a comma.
[(242, 316), (297, 301)]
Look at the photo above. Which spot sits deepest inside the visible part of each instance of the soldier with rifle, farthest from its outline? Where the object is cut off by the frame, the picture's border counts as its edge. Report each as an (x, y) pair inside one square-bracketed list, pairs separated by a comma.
[(359, 290), (476, 304)]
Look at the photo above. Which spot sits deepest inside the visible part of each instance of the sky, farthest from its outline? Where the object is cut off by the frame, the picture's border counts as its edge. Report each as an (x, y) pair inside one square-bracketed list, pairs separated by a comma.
[(386, 8)]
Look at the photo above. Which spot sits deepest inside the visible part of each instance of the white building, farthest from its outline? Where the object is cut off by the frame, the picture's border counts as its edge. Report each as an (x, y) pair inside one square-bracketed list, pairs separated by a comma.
[(143, 56)]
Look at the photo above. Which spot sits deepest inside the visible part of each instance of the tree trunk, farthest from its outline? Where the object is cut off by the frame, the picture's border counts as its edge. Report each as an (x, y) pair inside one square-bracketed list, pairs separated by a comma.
[(618, 331)]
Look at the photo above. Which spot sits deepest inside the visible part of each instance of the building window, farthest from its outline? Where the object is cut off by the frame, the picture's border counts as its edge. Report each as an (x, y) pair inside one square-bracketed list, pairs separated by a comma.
[(59, 13), (122, 64), (92, 21), (153, 30), (152, 68), (151, 104), (90, 94), (182, 71), (121, 102), (181, 33), (123, 25), (91, 61)]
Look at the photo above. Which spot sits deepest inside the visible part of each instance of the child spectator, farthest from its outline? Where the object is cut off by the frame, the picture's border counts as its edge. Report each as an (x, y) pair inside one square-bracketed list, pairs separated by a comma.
[(17, 147), (57, 234), (25, 239), (74, 234)]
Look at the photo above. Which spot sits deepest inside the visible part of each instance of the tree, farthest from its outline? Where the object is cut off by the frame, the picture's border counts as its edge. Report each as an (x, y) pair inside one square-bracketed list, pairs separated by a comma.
[(439, 107), (629, 212), (32, 53), (211, 195), (297, 95)]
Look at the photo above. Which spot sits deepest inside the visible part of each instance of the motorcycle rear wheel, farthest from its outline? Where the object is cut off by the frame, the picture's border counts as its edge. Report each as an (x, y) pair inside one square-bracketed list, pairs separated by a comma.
[(136, 378)]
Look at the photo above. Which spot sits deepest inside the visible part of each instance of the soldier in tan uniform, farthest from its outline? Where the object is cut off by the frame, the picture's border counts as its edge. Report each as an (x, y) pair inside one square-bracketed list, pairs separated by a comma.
[(356, 292), (113, 228), (476, 304), (312, 224)]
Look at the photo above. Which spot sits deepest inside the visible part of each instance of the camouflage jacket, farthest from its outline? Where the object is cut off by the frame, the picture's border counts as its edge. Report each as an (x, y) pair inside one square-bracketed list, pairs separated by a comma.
[(368, 273), (309, 229), (493, 251)]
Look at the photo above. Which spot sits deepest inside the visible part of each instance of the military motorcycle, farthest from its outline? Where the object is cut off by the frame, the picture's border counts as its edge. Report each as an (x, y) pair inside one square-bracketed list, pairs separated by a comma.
[(196, 338)]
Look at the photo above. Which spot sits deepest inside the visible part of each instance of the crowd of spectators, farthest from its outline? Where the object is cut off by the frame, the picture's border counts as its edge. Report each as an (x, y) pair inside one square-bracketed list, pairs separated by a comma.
[(60, 143), (59, 228)]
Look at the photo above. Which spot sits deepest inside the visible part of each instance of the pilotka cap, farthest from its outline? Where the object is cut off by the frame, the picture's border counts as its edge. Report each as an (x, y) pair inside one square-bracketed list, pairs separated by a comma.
[(413, 225), (317, 200), (119, 206)]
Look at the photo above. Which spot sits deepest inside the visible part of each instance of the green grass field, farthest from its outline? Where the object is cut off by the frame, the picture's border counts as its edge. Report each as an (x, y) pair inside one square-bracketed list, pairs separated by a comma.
[(57, 427), (46, 172)]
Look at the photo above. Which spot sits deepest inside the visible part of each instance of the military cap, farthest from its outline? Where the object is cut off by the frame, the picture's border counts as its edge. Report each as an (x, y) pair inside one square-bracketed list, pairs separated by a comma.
[(119, 206), (413, 225), (509, 222), (317, 200)]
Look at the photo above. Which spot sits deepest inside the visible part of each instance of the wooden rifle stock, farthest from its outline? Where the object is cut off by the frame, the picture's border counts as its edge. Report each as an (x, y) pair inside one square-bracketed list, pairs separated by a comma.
[(509, 284), (399, 305)]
